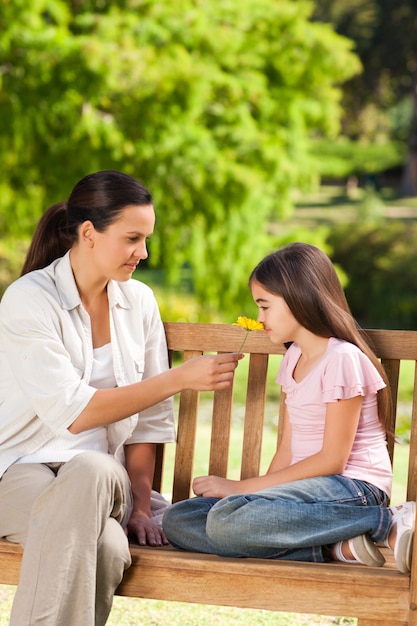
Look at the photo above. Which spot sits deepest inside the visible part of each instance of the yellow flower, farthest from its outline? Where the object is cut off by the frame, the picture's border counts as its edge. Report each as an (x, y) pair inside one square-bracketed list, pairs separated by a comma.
[(248, 324)]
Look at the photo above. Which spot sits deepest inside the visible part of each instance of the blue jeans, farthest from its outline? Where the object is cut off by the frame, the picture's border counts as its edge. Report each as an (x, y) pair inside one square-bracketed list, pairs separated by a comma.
[(292, 521)]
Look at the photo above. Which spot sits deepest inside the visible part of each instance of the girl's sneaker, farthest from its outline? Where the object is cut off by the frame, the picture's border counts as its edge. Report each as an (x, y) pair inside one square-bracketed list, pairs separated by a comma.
[(403, 520), (363, 549)]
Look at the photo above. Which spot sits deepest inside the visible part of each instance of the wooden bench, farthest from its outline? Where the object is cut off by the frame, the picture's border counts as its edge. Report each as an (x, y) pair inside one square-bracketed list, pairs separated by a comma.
[(373, 595)]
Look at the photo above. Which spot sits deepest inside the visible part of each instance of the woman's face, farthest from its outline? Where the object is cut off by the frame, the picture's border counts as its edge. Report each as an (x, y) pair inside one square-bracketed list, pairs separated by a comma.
[(119, 249), (274, 313)]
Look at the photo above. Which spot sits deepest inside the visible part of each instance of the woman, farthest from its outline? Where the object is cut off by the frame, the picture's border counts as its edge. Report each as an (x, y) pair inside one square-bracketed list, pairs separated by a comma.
[(326, 491), (85, 396)]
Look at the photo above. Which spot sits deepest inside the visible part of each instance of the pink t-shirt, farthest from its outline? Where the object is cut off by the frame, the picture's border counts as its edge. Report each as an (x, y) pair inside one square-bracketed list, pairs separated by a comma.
[(343, 372)]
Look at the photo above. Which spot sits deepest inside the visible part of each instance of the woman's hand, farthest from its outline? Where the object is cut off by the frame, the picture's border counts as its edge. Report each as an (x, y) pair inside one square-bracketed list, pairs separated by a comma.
[(146, 531), (209, 372), (215, 487)]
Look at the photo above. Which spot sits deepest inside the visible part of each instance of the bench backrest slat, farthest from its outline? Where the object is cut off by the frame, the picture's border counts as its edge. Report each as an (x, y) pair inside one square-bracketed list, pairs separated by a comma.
[(392, 368), (186, 436), (220, 432), (254, 416), (412, 465)]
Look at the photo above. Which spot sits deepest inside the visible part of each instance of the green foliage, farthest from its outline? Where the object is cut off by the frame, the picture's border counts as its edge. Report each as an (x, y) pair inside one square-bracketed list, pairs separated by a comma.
[(380, 104), (382, 274), (342, 157), (12, 253), (211, 104), (384, 34)]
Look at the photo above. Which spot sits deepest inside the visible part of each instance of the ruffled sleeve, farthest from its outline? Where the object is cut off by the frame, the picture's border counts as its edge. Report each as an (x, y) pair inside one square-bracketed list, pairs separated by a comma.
[(348, 373)]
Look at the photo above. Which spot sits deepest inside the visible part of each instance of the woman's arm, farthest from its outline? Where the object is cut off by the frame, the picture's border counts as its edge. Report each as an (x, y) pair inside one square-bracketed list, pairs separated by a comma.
[(140, 465), (342, 420), (45, 355), (205, 373)]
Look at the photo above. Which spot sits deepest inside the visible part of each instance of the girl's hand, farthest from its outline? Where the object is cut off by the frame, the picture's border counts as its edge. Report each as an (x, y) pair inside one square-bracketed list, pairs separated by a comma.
[(215, 487), (145, 531), (210, 371)]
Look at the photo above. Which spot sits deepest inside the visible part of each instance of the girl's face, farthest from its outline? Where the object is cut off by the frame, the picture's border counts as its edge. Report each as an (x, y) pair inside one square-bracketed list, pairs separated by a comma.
[(120, 248), (274, 313)]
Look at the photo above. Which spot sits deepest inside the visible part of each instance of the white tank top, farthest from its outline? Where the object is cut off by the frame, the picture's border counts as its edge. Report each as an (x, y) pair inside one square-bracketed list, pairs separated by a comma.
[(67, 445)]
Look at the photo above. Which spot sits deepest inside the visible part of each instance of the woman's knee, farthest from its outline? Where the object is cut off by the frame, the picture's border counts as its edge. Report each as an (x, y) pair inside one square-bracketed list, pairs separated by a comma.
[(95, 468), (100, 474), (94, 464), (113, 548), (20, 487)]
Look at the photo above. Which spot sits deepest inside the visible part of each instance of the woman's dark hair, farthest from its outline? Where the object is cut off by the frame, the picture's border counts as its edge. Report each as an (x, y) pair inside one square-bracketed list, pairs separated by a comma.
[(99, 198), (305, 277)]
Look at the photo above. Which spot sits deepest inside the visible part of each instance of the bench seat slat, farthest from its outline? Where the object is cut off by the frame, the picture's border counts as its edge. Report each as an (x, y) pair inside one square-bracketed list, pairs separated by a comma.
[(271, 585)]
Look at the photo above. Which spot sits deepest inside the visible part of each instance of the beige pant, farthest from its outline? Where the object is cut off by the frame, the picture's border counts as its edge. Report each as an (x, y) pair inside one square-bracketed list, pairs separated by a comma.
[(68, 517)]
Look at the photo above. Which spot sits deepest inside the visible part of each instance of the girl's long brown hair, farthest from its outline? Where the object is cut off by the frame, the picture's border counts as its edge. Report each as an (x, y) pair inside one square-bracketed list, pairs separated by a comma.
[(305, 277)]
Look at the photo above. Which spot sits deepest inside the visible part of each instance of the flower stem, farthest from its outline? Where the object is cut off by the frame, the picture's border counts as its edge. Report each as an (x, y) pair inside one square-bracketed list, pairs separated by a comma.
[(244, 340)]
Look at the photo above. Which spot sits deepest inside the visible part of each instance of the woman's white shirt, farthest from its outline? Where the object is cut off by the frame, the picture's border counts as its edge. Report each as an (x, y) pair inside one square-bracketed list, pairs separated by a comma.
[(66, 445), (47, 358)]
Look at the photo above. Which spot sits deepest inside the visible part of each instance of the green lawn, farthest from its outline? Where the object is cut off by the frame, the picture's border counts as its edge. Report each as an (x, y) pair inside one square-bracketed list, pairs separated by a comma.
[(135, 612)]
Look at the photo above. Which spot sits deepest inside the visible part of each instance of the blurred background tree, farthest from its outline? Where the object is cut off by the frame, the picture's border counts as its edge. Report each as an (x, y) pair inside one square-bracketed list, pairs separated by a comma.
[(379, 129), (230, 111), (211, 104)]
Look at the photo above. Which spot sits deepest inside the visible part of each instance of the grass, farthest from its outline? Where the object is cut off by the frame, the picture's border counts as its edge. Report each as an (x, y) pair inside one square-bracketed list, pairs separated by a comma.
[(156, 613), (134, 611)]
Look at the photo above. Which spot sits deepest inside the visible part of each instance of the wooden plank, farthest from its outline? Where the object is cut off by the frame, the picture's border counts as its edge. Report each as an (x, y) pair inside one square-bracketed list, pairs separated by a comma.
[(186, 437), (394, 344), (413, 586), (412, 455), (281, 416), (254, 416), (159, 467), (217, 338), (328, 589), (272, 585), (392, 369), (332, 589), (220, 432), (10, 559)]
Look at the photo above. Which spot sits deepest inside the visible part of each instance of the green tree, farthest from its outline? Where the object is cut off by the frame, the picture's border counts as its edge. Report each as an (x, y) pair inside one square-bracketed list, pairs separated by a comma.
[(381, 278), (380, 104), (210, 103)]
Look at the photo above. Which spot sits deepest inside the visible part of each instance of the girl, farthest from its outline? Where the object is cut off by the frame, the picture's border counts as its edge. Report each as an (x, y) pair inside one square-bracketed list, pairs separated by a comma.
[(326, 491), (85, 396)]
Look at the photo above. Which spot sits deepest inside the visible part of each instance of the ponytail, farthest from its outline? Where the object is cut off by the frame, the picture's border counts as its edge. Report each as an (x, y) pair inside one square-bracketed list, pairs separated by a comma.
[(51, 240)]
